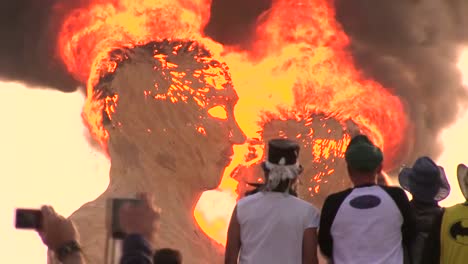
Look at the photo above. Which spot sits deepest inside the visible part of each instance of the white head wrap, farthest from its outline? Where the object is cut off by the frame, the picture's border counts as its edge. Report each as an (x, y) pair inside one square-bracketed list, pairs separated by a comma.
[(279, 172)]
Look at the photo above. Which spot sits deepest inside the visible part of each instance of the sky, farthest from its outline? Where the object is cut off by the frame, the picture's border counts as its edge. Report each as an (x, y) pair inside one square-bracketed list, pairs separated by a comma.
[(46, 159), (455, 142)]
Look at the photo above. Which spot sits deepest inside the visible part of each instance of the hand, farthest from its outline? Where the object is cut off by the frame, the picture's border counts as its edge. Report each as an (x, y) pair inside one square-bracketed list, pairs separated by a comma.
[(56, 229), (142, 218)]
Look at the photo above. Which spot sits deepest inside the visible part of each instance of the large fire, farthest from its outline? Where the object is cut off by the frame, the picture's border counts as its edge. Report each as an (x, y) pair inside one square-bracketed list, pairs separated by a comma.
[(298, 62)]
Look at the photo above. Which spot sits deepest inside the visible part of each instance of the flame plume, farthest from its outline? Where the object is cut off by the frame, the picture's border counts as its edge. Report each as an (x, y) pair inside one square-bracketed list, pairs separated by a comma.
[(323, 142), (298, 61), (307, 53)]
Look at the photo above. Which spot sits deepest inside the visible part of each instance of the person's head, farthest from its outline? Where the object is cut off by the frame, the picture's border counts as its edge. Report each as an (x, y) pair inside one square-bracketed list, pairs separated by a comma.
[(281, 167), (167, 256), (462, 175), (174, 105), (321, 140), (363, 159), (425, 181)]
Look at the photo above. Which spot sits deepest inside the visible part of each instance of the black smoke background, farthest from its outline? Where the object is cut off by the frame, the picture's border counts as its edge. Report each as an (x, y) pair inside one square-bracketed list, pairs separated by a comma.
[(408, 45), (412, 46), (28, 33)]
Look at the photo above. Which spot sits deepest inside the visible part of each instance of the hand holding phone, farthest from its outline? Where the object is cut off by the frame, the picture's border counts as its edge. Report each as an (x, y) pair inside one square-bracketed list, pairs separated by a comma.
[(137, 217), (28, 219), (114, 208)]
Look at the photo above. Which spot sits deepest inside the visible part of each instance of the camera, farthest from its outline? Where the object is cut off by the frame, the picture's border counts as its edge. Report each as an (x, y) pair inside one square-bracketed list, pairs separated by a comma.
[(113, 207), (28, 219)]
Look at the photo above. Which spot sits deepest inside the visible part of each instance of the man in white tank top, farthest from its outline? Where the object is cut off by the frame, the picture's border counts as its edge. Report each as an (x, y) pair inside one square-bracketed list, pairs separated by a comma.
[(272, 226)]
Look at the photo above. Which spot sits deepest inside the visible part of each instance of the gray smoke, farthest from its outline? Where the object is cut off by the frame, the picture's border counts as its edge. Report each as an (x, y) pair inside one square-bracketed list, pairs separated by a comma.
[(412, 47), (233, 22), (27, 48), (29, 30)]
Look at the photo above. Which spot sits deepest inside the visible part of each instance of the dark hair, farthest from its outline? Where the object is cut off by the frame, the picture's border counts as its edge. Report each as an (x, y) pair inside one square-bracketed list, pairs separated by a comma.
[(167, 256), (360, 139)]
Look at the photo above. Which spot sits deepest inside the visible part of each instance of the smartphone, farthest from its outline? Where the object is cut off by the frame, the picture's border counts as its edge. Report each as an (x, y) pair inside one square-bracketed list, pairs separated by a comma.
[(28, 219), (114, 206)]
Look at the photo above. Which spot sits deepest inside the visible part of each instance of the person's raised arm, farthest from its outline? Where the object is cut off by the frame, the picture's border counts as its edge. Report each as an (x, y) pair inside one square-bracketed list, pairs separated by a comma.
[(233, 243), (60, 236), (309, 246)]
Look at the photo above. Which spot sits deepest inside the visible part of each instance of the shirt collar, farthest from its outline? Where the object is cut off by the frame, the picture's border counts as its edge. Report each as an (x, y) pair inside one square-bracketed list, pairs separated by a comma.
[(365, 185)]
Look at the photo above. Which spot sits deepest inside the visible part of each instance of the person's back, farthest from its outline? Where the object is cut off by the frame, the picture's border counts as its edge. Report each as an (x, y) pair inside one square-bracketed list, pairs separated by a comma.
[(426, 215), (454, 230), (272, 226), (428, 219), (454, 234), (365, 225), (368, 223), (272, 230), (428, 185)]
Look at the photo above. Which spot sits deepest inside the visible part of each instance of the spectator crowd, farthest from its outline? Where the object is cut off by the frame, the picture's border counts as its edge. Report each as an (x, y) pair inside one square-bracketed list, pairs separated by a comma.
[(368, 223)]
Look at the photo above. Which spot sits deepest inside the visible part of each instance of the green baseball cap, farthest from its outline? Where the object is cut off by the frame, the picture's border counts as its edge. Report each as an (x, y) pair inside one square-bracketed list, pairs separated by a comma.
[(362, 155)]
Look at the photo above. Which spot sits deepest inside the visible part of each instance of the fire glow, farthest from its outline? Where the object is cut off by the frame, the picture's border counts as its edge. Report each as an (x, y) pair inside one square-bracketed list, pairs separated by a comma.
[(297, 62)]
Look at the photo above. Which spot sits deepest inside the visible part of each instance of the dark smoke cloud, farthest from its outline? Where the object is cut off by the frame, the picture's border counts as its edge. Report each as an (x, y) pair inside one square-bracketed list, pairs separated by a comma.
[(412, 47), (409, 46), (29, 31), (233, 22), (27, 52)]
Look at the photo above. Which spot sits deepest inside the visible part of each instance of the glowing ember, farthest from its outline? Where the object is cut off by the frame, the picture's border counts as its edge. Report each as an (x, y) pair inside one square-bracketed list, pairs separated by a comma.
[(323, 143), (297, 60)]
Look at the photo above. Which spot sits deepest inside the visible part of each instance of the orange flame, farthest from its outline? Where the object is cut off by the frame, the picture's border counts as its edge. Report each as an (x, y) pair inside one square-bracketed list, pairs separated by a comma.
[(299, 60), (89, 33)]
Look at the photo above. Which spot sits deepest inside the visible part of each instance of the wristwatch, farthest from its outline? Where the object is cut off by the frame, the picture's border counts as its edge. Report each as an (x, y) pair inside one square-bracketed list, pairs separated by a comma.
[(67, 249)]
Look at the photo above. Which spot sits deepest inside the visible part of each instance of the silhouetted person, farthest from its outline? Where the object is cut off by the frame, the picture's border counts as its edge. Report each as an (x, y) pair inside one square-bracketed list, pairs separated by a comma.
[(428, 185)]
